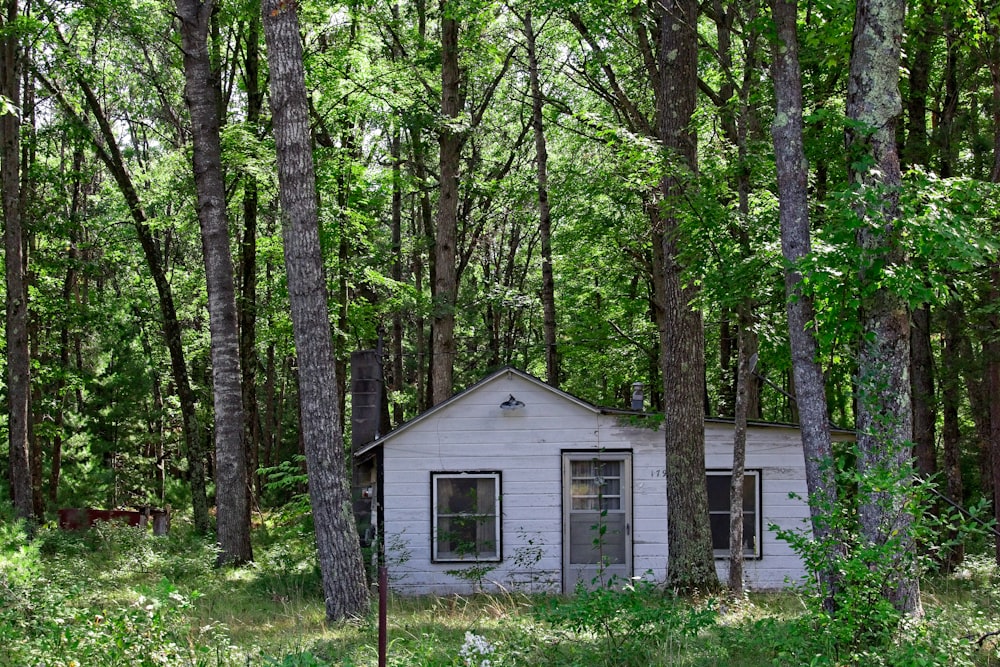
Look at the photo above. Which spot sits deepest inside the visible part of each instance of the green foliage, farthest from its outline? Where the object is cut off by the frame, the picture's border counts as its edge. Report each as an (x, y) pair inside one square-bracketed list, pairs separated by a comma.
[(863, 626), (633, 624), (287, 481), (63, 601), (59, 616)]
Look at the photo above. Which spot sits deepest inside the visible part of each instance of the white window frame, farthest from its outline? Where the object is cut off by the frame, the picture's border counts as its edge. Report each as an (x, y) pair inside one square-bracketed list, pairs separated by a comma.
[(449, 557), (756, 552)]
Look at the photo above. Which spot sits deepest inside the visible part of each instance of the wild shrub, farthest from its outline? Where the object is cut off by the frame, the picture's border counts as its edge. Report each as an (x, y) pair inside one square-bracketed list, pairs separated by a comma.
[(862, 626), (630, 624)]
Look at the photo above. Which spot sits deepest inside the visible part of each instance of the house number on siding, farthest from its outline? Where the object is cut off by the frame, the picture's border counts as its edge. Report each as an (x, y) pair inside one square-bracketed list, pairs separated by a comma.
[(658, 472)]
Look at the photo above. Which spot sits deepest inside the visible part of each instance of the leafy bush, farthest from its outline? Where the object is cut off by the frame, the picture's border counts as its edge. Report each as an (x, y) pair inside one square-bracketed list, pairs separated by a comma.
[(631, 624), (863, 626)]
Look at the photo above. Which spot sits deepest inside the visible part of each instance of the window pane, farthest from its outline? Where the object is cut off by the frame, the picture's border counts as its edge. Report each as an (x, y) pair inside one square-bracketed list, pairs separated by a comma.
[(589, 547), (466, 518), (718, 493), (720, 531), (749, 532), (749, 493), (611, 468), (718, 501), (457, 495), (596, 485)]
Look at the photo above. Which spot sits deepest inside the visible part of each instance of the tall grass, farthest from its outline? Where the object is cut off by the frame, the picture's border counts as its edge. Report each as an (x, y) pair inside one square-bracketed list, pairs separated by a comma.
[(118, 596)]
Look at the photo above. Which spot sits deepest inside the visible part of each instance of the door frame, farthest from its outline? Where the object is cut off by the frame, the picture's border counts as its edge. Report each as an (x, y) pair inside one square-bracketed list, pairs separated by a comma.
[(569, 574)]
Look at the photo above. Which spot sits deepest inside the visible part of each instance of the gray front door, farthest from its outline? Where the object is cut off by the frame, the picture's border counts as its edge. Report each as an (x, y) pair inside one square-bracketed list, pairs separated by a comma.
[(597, 518)]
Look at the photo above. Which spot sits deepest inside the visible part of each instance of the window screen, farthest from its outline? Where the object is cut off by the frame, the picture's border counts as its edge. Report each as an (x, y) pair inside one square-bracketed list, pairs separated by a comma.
[(466, 516), (718, 510)]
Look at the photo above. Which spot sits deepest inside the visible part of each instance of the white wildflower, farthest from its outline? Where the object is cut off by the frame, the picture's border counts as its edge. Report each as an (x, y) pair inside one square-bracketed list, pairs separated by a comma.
[(476, 650)]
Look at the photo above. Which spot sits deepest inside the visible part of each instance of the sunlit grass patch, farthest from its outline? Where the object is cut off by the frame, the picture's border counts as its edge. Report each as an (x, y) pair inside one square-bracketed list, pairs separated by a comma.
[(83, 597)]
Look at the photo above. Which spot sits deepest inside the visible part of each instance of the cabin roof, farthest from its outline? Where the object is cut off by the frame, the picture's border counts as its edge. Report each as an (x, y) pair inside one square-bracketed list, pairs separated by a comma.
[(508, 371)]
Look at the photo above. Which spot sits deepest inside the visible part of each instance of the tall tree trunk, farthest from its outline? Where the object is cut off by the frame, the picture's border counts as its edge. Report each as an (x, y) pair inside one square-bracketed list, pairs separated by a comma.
[(921, 41), (993, 347), (808, 381), (975, 374), (682, 338), (992, 354), (746, 351), (915, 153), (544, 215), (885, 420), (30, 244), (922, 391), (69, 304), (446, 277), (396, 232), (248, 263), (950, 430), (329, 486), (423, 231), (949, 112), (202, 97), (18, 378)]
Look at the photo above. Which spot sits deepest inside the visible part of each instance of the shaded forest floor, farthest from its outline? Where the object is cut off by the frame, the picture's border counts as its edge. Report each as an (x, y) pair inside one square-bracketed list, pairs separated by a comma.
[(117, 596)]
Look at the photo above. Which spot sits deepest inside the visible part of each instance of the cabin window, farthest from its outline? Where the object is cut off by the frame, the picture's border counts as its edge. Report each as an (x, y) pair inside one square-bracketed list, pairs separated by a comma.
[(718, 510), (466, 516)]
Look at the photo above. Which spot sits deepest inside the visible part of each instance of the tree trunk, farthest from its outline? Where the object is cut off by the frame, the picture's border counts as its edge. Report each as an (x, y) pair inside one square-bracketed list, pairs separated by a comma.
[(329, 486), (248, 263), (544, 215), (951, 435), (921, 41), (885, 420), (69, 304), (682, 338), (974, 372), (423, 231), (993, 347), (922, 392), (396, 231), (746, 349), (18, 378), (446, 278), (202, 97), (808, 381)]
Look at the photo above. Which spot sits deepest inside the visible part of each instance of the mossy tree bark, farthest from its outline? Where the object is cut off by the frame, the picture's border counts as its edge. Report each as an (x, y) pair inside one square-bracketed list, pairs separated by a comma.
[(691, 564), (885, 418)]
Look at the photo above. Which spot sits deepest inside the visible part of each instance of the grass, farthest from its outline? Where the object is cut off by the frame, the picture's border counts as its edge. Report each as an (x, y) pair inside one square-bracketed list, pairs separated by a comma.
[(115, 596)]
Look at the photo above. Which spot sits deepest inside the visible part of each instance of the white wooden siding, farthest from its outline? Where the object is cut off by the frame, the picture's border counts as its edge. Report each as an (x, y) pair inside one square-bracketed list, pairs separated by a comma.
[(472, 433)]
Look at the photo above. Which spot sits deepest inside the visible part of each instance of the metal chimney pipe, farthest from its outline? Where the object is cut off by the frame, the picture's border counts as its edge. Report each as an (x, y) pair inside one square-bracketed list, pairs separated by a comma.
[(637, 397)]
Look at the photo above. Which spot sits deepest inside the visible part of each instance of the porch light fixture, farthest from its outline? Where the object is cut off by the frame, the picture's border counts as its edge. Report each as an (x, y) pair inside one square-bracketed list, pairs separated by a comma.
[(511, 404)]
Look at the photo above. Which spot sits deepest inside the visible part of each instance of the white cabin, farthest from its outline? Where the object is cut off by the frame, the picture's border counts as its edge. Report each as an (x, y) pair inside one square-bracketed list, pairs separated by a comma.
[(513, 484)]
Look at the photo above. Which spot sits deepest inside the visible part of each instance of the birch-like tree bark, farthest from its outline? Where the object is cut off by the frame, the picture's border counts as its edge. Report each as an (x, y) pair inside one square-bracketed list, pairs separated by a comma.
[(329, 488)]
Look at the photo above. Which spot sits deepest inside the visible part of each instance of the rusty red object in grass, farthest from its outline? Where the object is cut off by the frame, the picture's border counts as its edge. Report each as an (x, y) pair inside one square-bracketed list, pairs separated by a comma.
[(75, 518)]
